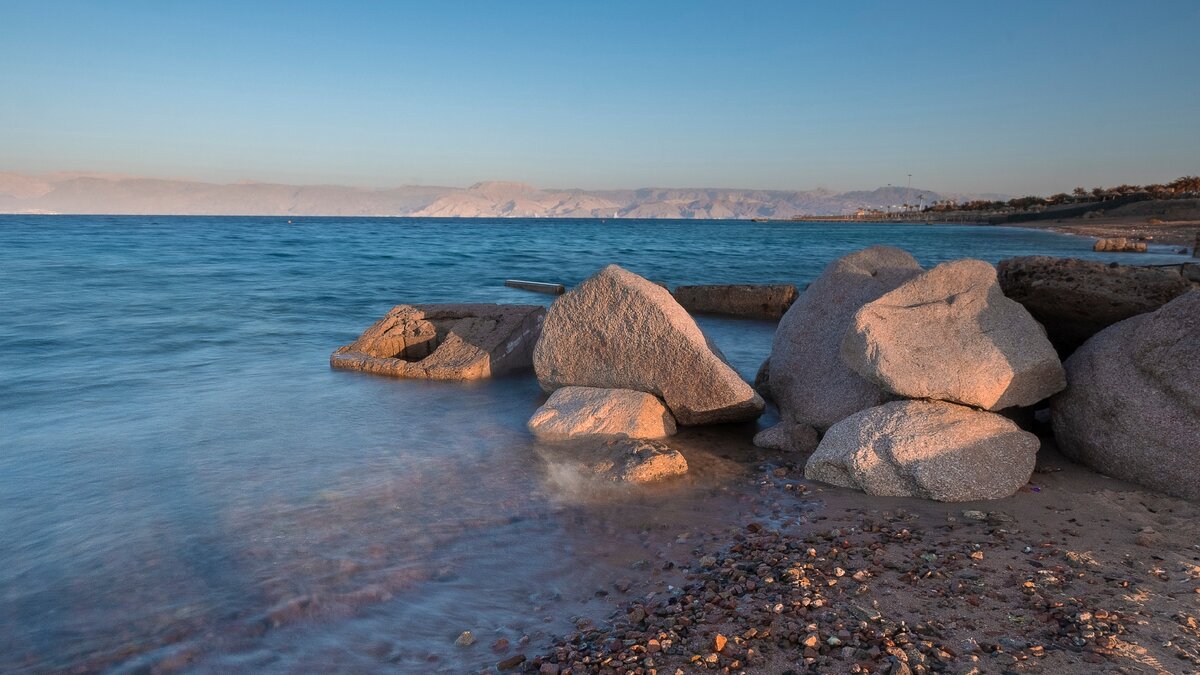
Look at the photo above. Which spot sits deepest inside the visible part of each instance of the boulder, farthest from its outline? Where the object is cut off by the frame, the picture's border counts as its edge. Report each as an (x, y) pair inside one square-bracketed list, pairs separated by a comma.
[(1131, 409), (805, 375), (1119, 245), (577, 412), (446, 342), (951, 335), (617, 330), (926, 449), (589, 467), (765, 301), (1075, 299), (641, 461), (788, 437)]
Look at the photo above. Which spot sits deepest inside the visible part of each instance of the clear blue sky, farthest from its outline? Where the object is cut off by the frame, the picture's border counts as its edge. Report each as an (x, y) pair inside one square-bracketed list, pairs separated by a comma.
[(1010, 96)]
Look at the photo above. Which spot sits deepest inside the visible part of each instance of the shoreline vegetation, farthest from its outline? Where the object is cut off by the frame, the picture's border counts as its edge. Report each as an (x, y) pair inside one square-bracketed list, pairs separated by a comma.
[(1163, 213)]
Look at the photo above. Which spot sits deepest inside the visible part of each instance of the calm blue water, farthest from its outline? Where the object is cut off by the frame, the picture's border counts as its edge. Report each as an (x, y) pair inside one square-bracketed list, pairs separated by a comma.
[(185, 482)]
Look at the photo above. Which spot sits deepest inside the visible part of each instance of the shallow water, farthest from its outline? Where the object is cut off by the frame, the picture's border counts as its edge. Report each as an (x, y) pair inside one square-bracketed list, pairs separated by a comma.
[(184, 481)]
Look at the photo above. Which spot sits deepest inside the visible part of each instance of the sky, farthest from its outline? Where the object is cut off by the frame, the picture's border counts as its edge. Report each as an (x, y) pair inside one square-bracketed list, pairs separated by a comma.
[(1016, 97)]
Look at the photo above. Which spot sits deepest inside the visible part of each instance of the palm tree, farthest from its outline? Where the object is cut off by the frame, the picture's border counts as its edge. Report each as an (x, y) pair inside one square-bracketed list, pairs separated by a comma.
[(1186, 184)]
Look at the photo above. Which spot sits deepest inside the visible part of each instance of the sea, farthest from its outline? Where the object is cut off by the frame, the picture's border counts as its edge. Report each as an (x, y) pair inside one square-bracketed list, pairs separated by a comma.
[(186, 485)]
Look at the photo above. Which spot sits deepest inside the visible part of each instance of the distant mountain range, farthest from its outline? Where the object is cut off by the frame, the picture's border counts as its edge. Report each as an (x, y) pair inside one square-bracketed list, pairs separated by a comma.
[(114, 194)]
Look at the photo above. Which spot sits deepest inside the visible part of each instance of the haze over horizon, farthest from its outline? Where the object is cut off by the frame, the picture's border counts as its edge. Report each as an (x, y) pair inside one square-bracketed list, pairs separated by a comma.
[(776, 96)]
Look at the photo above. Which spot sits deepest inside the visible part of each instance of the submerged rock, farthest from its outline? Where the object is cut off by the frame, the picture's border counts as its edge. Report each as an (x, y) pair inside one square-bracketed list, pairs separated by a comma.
[(927, 449), (446, 342), (788, 437), (768, 301), (642, 461), (617, 330), (576, 412), (951, 335), (1075, 299), (805, 374), (588, 467), (1131, 409)]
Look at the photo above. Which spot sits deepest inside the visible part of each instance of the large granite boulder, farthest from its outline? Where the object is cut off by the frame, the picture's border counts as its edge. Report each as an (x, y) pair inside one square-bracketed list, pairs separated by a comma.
[(927, 449), (617, 330), (951, 335), (805, 375), (1075, 299), (1132, 405), (578, 412), (764, 301), (446, 342)]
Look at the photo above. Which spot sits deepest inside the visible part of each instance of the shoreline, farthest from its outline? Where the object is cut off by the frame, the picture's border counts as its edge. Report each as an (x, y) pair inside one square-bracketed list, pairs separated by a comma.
[(1174, 233), (1074, 573)]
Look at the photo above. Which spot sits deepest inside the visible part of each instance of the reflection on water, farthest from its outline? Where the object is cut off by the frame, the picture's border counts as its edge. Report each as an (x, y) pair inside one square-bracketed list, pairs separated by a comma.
[(183, 481)]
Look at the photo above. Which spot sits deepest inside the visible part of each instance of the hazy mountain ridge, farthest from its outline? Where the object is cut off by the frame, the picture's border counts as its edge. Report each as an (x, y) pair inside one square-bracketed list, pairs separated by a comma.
[(101, 194)]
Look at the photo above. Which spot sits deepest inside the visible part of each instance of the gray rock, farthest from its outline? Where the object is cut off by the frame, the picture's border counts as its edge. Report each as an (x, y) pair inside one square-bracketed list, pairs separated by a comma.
[(762, 380), (788, 437), (768, 301), (578, 412), (951, 335), (446, 342), (1075, 299), (617, 330), (926, 449), (1131, 409), (806, 376)]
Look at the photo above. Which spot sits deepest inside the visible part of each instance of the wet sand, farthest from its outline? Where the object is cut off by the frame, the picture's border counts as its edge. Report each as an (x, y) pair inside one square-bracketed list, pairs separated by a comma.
[(1076, 573)]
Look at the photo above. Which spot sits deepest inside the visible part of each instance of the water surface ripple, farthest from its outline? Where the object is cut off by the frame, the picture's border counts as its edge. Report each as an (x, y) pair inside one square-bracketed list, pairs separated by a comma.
[(184, 481)]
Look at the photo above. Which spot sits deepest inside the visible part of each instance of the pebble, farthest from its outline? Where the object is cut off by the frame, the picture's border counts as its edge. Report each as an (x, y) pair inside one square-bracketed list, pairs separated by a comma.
[(511, 662), (778, 590)]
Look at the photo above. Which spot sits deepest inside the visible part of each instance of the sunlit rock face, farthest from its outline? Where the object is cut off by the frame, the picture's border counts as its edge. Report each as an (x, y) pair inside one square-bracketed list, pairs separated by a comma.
[(805, 373), (950, 334), (617, 330), (582, 412), (926, 449)]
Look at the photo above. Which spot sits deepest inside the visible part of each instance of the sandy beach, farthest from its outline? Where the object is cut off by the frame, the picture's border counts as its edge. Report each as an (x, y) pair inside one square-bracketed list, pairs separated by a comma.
[(1181, 232), (1076, 573), (1175, 222)]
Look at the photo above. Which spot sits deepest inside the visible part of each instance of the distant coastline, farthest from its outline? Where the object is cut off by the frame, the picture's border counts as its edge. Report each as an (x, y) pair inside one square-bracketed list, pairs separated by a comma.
[(100, 194)]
